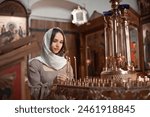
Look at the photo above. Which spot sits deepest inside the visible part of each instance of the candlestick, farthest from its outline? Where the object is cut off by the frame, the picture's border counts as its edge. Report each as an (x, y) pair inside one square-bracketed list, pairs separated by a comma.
[(75, 65), (68, 63)]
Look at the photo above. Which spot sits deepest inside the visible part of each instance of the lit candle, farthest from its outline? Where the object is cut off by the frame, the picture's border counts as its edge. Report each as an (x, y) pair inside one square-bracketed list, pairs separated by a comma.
[(75, 65)]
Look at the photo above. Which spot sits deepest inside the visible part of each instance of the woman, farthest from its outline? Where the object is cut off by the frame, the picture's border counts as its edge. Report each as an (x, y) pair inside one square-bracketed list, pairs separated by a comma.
[(50, 66)]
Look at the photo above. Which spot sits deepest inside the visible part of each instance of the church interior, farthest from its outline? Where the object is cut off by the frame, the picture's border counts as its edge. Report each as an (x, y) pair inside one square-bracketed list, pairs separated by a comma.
[(108, 43)]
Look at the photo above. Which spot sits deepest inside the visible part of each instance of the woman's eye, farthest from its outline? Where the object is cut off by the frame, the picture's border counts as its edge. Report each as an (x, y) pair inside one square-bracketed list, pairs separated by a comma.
[(61, 42), (54, 40)]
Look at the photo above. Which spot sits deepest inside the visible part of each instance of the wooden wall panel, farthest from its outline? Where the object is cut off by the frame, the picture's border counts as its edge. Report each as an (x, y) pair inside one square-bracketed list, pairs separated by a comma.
[(89, 48), (12, 8), (134, 17)]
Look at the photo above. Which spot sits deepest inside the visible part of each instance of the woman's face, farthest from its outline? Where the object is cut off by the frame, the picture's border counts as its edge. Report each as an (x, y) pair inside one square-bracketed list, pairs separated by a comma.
[(57, 43)]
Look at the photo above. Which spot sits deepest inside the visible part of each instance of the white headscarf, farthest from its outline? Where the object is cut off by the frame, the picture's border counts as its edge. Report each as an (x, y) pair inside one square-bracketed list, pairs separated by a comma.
[(48, 57)]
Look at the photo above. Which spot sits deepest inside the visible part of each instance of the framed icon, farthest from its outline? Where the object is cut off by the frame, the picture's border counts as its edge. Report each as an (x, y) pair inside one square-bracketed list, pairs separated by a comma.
[(12, 29), (134, 45), (146, 44)]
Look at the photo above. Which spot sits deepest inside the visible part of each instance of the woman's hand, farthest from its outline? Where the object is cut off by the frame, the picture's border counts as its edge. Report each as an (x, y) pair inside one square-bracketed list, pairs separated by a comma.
[(60, 79)]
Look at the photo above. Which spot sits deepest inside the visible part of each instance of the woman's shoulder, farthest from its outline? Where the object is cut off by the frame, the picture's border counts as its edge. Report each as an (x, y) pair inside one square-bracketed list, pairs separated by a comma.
[(35, 63)]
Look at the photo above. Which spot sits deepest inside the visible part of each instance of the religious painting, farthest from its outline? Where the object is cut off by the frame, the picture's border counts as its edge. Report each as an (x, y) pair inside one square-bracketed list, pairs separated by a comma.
[(146, 44), (10, 83), (11, 29), (134, 46), (6, 85)]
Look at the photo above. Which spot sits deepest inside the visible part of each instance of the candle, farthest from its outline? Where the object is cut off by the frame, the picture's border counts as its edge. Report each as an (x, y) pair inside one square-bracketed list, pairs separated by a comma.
[(75, 65), (68, 70)]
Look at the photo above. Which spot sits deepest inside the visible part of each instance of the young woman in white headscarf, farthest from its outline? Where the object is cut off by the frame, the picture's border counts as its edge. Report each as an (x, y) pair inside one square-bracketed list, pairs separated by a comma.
[(50, 66)]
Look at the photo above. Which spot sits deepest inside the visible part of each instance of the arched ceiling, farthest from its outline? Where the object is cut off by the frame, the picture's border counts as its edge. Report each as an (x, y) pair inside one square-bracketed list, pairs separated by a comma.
[(63, 4), (58, 9), (61, 9)]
